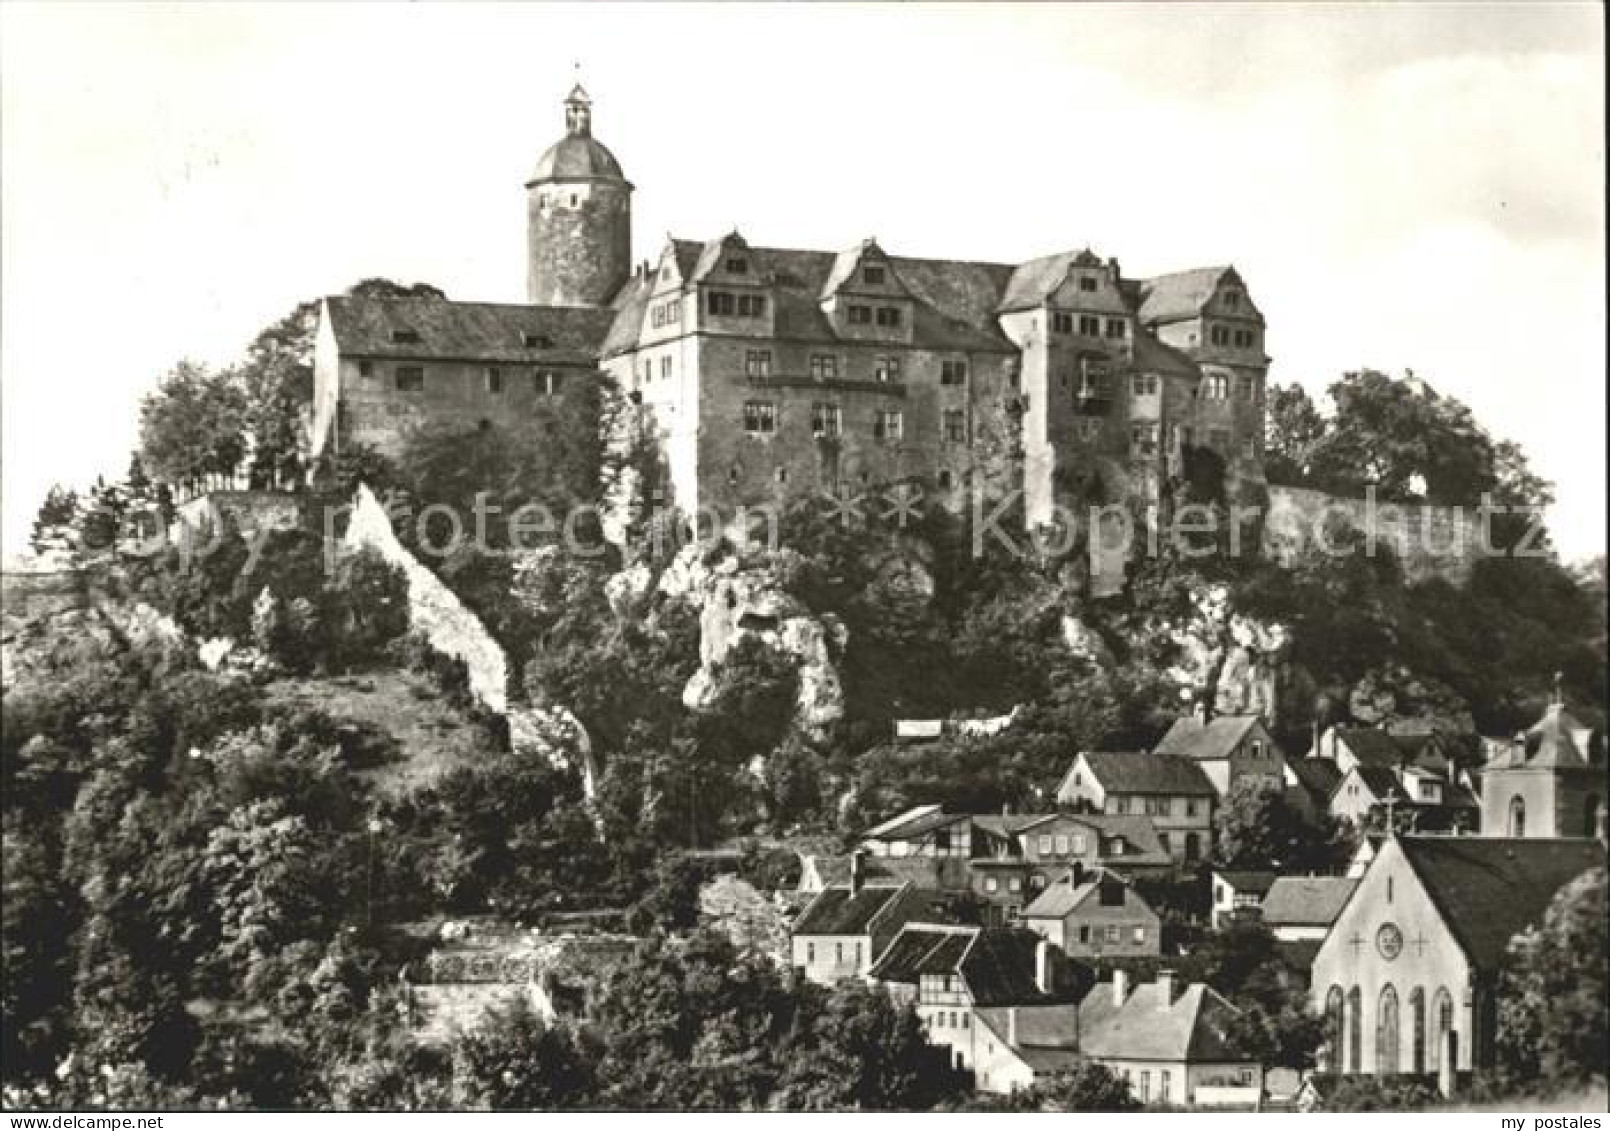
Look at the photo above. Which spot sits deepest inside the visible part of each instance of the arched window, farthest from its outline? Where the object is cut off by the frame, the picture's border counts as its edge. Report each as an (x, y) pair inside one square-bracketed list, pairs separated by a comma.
[(1386, 1034), (1417, 1019), (1442, 1009), (1333, 1029), (1517, 816), (1355, 1031)]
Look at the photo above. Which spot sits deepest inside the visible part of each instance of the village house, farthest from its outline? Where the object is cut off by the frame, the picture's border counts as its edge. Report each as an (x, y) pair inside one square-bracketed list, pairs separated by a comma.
[(1551, 781), (844, 927), (1173, 792), (1001, 1000), (1406, 975), (1095, 915), (1171, 1043), (1432, 803), (1228, 748), (1302, 908), (1237, 892)]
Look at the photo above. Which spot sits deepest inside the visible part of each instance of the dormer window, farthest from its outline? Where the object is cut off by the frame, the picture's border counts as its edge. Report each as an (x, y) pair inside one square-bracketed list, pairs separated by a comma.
[(1087, 283), (405, 337), (860, 315), (1061, 322), (752, 306), (738, 266), (1089, 325), (536, 341), (1232, 299), (889, 316), (872, 275)]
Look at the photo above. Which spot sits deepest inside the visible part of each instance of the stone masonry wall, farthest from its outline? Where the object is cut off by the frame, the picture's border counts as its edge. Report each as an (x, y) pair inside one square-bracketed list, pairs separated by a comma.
[(434, 610)]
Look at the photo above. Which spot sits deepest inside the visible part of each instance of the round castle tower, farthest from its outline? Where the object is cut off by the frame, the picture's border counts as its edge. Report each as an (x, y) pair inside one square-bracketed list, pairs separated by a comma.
[(578, 217)]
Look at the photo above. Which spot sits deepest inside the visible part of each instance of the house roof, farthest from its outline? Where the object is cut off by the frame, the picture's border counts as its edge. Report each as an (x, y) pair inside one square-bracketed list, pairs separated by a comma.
[(837, 910), (913, 823), (1035, 280), (1250, 881), (1190, 737), (1382, 782), (1139, 833), (1194, 1027), (1063, 898), (922, 948), (1318, 777), (478, 331), (1306, 901), (1042, 1029), (1159, 357), (1490, 889), (1373, 747), (1147, 773), (1178, 296), (997, 964)]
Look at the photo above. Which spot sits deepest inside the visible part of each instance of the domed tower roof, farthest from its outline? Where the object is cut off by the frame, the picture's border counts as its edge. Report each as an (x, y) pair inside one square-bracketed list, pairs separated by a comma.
[(577, 156)]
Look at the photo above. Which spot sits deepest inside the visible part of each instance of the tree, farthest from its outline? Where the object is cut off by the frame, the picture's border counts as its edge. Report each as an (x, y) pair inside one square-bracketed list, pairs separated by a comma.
[(1257, 826), (862, 1052), (56, 524), (1553, 1021), (513, 1061), (193, 426), (1086, 1087), (1292, 430)]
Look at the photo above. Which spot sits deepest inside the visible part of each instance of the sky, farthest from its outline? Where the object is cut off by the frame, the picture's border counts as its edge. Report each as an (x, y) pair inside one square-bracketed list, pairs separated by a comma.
[(1402, 186)]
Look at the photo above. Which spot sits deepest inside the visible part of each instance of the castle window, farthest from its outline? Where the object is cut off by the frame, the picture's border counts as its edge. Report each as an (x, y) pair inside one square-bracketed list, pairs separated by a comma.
[(1089, 325), (405, 337), (944, 479), (1219, 439), (536, 341), (720, 302), (1061, 322), (953, 371), (1232, 299), (760, 417), (860, 315), (410, 379), (826, 419), (366, 369), (824, 367), (1220, 336), (1145, 384), (545, 382), (1245, 387), (752, 306), (1089, 427), (494, 379), (1216, 387), (888, 316), (738, 266), (757, 363), (872, 275), (572, 200), (665, 368), (888, 424), (1116, 327), (1087, 283), (1143, 439), (781, 475), (1243, 338), (1249, 447), (887, 369), (955, 426)]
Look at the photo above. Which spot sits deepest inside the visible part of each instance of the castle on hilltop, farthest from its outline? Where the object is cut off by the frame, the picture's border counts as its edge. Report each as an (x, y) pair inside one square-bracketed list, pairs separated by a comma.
[(768, 373)]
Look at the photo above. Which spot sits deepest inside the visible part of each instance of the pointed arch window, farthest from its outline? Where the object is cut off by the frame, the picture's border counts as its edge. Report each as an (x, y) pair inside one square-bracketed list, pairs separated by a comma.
[(1517, 816), (1386, 1034), (1417, 1022)]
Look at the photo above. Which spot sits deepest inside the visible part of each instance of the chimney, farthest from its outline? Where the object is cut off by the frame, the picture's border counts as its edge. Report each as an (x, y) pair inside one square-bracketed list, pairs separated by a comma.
[(1165, 989), (1120, 986), (1076, 875), (857, 863), (1201, 711), (1042, 966), (1316, 752), (1011, 1026)]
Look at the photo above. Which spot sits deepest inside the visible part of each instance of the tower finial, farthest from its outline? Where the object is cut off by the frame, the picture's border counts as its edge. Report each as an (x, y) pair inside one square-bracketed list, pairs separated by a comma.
[(578, 109), (1557, 698)]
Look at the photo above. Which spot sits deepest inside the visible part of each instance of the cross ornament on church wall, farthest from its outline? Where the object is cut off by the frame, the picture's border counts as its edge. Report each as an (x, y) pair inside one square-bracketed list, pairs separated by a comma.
[(1356, 942)]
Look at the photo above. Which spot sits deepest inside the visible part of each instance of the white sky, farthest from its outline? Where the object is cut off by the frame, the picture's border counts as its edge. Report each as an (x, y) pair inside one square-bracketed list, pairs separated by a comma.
[(1402, 186)]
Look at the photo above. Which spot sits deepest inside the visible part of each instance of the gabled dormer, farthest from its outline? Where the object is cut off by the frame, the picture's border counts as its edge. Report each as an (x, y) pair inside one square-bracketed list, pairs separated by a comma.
[(1089, 304), (865, 298), (1206, 310), (665, 311), (735, 292)]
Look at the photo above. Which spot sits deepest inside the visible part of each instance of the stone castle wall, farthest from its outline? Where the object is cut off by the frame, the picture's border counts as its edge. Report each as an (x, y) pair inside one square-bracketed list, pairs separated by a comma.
[(1430, 541)]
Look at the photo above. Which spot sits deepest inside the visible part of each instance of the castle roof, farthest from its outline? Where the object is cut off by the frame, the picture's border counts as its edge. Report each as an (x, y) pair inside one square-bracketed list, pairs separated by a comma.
[(430, 328), (1179, 296), (576, 158), (1035, 280)]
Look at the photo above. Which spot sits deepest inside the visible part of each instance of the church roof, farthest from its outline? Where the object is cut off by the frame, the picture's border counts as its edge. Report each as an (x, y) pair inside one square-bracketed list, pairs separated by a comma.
[(576, 158), (467, 331), (1556, 741), (1489, 889)]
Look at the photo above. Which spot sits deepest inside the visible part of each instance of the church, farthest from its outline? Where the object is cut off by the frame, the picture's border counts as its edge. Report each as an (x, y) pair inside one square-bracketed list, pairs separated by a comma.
[(764, 374), (1406, 976)]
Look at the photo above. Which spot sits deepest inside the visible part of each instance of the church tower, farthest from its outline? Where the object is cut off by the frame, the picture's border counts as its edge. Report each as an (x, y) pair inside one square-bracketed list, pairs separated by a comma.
[(578, 217)]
